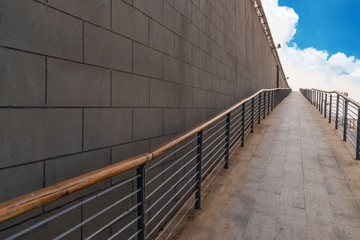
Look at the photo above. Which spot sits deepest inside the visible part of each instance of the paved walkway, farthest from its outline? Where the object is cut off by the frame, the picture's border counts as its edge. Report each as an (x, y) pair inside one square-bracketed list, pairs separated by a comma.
[(294, 179)]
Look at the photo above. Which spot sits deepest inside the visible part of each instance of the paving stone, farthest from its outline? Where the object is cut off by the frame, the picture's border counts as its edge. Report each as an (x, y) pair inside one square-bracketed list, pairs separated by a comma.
[(313, 202)]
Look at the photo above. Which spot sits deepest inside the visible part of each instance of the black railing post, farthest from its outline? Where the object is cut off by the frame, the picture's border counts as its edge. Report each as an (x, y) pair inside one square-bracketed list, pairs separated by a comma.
[(314, 97), (321, 103), (199, 170), (330, 108), (259, 108), (264, 105), (252, 114), (272, 100), (268, 106), (227, 145), (345, 119), (325, 105), (243, 125), (337, 112), (141, 211), (358, 137)]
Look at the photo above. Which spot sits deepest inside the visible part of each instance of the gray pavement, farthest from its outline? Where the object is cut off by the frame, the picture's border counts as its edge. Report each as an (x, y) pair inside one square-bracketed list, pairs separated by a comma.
[(294, 179)]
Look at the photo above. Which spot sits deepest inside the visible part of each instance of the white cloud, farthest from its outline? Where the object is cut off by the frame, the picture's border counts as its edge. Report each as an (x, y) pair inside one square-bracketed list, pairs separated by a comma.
[(310, 68)]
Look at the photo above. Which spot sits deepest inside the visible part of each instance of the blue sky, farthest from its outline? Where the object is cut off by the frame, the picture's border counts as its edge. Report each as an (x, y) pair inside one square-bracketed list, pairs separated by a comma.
[(332, 25), (320, 42)]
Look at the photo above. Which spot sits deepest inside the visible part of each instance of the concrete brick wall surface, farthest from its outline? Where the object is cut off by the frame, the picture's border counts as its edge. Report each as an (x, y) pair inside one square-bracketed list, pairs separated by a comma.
[(88, 83)]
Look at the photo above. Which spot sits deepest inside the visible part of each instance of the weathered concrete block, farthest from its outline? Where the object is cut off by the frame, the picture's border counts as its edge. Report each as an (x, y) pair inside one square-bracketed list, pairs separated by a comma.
[(183, 96), (192, 76), (22, 78), (152, 8), (148, 122), (130, 22), (32, 26), (205, 80), (174, 120), (34, 134), (50, 230), (106, 127), (161, 38), (199, 98), (162, 94), (183, 49), (173, 19), (191, 33), (199, 58), (174, 70), (61, 169), (20, 180), (125, 151), (192, 118), (95, 11), (147, 61), (129, 90), (73, 84), (107, 49), (183, 6)]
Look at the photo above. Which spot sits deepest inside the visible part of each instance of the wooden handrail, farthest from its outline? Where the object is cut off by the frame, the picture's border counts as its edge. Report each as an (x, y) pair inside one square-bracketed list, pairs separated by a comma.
[(337, 92), (28, 202)]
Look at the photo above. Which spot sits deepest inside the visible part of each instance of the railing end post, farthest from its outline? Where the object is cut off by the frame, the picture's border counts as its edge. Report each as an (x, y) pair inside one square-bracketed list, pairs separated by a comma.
[(199, 170)]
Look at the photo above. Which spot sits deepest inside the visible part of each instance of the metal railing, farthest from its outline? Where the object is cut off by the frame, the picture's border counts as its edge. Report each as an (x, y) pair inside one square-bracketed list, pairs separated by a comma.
[(149, 194), (343, 111)]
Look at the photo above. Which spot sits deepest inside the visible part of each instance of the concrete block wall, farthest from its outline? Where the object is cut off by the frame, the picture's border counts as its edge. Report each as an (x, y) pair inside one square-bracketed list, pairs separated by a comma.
[(87, 83)]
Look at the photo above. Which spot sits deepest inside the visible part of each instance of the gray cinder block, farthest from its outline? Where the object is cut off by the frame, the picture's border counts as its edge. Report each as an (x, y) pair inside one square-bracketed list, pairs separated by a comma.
[(22, 78), (95, 11), (20, 180), (73, 84), (173, 19), (148, 123), (162, 94), (147, 61), (183, 49), (107, 49), (129, 90), (161, 38), (130, 22), (152, 8), (33, 134), (173, 70), (105, 127), (32, 26), (174, 120), (183, 96), (61, 169)]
